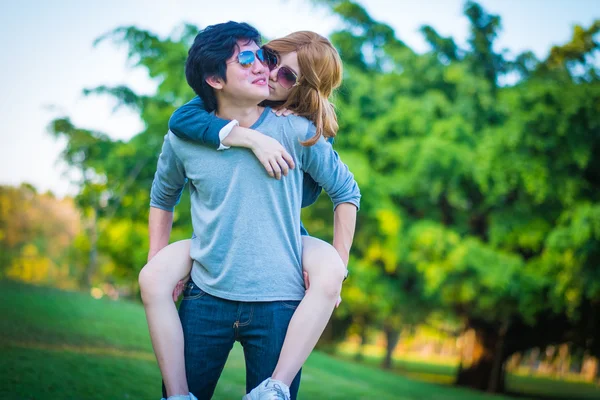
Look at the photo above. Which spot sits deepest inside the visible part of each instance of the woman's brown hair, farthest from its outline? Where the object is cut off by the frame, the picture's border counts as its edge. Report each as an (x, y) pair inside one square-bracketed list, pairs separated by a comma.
[(320, 73)]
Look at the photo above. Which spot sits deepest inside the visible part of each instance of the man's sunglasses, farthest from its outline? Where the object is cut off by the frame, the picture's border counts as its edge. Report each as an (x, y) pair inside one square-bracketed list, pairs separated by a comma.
[(285, 76), (246, 58)]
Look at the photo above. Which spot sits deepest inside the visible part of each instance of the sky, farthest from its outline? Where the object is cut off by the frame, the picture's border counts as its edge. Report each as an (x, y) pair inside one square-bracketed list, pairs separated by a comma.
[(49, 57)]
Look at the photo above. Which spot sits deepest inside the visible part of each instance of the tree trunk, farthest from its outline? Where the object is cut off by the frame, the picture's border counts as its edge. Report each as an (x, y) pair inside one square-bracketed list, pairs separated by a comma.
[(485, 371), (93, 254), (334, 332), (391, 340), (363, 340), (498, 372), (534, 360)]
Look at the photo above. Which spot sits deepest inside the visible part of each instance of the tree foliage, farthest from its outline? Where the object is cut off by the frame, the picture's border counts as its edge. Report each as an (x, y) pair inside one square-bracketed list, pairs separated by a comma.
[(480, 199)]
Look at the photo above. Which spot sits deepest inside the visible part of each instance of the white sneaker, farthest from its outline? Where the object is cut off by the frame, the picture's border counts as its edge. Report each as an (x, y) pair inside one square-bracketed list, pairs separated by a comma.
[(269, 389), (182, 397)]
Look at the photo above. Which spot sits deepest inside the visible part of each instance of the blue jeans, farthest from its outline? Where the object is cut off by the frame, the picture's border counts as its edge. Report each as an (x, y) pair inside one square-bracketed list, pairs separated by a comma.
[(210, 327)]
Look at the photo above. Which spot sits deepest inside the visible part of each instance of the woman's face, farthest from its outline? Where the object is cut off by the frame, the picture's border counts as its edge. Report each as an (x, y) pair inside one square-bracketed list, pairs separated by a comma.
[(276, 91)]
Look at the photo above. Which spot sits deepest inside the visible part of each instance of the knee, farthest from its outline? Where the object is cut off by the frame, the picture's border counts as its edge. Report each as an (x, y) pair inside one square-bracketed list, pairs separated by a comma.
[(329, 273), (150, 287)]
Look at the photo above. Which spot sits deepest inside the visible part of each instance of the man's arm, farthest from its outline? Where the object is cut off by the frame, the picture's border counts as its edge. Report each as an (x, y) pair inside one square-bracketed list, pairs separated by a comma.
[(159, 228), (323, 164), (167, 187), (344, 223)]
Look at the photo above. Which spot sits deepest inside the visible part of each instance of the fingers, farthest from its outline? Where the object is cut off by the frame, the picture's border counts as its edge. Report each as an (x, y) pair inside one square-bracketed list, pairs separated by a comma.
[(306, 281), (179, 287), (283, 111), (276, 169), (177, 291), (275, 159), (283, 165), (268, 168), (288, 159)]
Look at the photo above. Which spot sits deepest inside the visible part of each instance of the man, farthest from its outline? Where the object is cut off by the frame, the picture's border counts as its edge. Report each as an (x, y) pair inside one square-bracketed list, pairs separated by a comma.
[(247, 274)]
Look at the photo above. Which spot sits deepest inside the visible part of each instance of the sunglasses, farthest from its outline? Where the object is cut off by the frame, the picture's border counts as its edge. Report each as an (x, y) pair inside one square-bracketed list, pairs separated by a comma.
[(286, 77), (246, 58)]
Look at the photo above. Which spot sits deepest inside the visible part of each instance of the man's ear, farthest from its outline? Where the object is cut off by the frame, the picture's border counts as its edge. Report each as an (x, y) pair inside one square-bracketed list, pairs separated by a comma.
[(215, 82)]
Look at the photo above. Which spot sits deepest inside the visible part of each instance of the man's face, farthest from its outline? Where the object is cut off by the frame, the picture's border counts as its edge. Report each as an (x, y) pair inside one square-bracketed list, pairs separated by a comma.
[(250, 83)]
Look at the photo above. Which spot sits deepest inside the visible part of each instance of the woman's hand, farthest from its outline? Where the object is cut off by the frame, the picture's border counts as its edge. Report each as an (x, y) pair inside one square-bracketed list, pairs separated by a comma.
[(272, 155), (180, 287), (283, 111)]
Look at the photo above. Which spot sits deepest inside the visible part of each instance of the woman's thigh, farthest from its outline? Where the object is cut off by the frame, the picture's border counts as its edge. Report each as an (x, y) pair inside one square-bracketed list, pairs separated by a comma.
[(320, 257), (171, 264)]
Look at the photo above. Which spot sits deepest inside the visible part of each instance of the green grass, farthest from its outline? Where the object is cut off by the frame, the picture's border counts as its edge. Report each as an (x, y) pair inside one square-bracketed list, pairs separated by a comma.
[(532, 386), (67, 345)]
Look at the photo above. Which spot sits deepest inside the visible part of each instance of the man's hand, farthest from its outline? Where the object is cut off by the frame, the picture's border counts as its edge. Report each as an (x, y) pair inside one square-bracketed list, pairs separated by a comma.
[(307, 285), (180, 287), (272, 155)]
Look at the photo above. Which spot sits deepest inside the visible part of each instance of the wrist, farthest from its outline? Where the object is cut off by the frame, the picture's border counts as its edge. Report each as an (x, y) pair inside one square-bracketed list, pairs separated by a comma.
[(239, 137), (343, 253), (154, 250), (151, 254), (225, 133), (256, 141)]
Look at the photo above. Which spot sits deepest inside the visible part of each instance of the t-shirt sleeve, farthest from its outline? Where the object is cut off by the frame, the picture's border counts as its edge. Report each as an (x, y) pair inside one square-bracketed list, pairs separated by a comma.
[(327, 170), (192, 122), (169, 179)]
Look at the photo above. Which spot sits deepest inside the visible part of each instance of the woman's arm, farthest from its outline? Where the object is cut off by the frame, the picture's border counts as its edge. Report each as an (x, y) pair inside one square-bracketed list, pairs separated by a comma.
[(192, 122)]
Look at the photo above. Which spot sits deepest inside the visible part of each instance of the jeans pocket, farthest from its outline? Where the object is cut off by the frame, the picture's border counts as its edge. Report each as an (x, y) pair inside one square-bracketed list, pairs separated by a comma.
[(192, 291), (291, 304)]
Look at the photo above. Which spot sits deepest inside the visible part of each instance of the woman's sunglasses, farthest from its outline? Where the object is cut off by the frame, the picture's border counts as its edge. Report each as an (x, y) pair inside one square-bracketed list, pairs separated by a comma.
[(285, 76)]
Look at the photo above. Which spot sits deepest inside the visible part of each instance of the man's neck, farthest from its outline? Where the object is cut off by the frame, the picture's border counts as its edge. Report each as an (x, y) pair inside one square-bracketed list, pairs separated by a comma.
[(245, 115)]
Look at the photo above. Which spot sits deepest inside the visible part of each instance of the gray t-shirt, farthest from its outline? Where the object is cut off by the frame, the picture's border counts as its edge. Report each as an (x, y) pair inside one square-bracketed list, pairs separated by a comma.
[(247, 244)]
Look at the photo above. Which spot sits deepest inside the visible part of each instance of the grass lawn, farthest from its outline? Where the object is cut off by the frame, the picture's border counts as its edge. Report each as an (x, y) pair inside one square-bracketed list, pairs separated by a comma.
[(67, 345), (520, 385)]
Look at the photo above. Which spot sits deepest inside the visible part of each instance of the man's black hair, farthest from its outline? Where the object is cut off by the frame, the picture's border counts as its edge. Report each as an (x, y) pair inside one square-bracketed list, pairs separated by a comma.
[(207, 57)]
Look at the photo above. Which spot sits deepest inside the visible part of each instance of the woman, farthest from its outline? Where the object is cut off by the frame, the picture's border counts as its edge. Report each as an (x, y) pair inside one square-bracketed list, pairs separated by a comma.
[(305, 69)]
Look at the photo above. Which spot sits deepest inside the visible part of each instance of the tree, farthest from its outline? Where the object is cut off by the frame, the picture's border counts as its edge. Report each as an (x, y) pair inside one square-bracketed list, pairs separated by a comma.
[(483, 177), (115, 176), (480, 200), (36, 232)]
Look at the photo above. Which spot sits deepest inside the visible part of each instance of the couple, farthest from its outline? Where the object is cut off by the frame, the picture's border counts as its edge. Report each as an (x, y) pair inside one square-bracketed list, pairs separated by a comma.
[(256, 275)]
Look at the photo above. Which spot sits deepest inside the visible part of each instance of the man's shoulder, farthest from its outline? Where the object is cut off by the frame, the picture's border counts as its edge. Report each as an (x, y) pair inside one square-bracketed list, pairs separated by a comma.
[(178, 143), (296, 126), (187, 150)]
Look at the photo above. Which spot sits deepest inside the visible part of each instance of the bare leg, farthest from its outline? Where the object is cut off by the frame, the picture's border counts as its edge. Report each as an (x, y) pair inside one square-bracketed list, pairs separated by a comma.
[(157, 280), (326, 272)]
